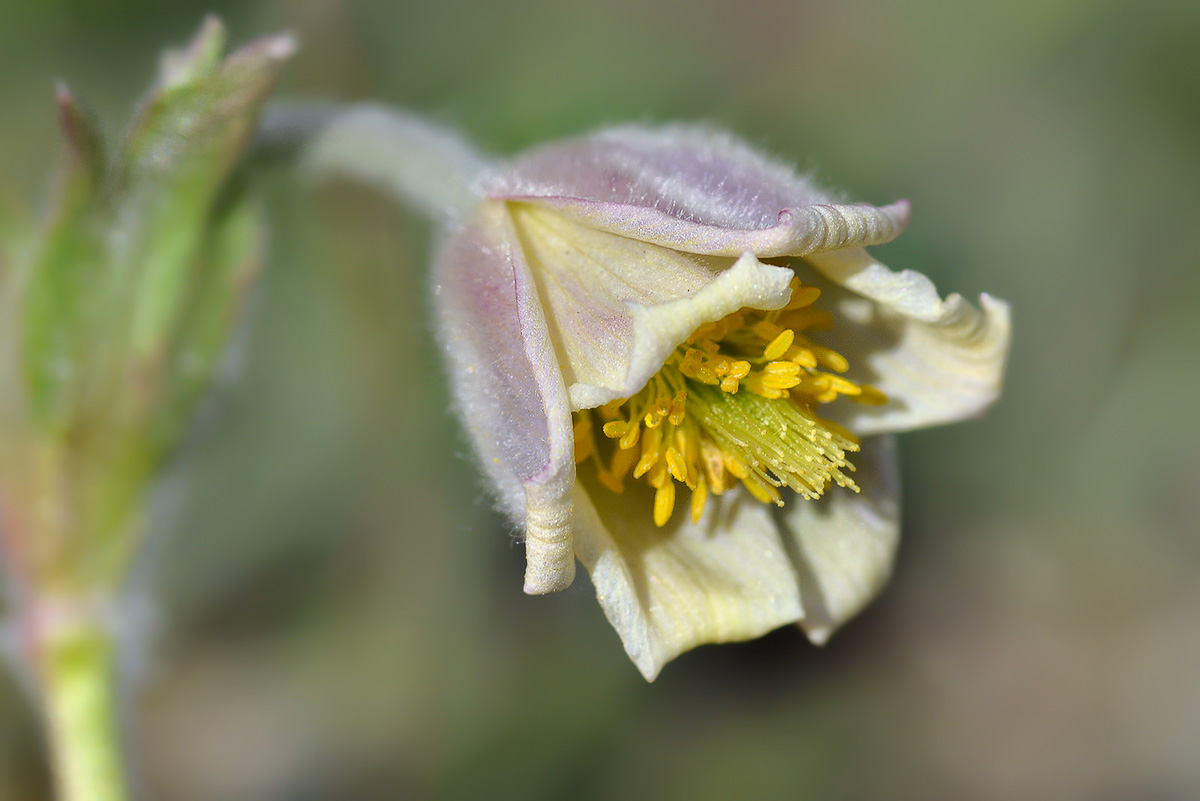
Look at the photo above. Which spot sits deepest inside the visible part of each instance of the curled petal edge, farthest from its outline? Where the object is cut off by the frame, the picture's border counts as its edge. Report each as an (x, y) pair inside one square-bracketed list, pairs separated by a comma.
[(800, 230), (938, 361)]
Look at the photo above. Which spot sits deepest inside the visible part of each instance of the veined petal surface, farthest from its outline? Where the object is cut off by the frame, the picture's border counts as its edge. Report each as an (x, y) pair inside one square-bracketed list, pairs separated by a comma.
[(844, 544), (666, 590)]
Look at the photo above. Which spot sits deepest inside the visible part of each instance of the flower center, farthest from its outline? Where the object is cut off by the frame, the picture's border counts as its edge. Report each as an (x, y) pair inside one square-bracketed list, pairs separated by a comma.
[(735, 402)]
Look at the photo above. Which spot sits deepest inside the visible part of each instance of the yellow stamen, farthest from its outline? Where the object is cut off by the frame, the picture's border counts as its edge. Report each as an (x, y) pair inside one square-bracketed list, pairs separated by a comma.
[(664, 503), (699, 499), (734, 403), (780, 344)]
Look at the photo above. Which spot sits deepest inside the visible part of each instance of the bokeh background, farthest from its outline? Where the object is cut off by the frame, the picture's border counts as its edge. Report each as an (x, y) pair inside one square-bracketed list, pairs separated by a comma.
[(336, 613)]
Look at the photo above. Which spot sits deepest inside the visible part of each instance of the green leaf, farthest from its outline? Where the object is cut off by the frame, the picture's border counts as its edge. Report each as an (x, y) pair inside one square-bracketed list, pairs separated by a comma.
[(234, 254), (67, 257)]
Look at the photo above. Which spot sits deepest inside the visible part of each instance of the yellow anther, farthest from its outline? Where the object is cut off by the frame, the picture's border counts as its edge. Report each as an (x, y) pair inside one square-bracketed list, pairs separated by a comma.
[(782, 368), (631, 438), (815, 383), (664, 503), (650, 447), (760, 491), (616, 429), (802, 296), (780, 381), (678, 408), (870, 396), (830, 359), (803, 357), (766, 385), (735, 466), (677, 465), (843, 386), (779, 345), (713, 459), (699, 498), (659, 475)]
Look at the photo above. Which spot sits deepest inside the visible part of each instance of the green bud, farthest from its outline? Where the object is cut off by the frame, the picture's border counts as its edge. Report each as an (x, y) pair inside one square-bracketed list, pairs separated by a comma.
[(116, 315)]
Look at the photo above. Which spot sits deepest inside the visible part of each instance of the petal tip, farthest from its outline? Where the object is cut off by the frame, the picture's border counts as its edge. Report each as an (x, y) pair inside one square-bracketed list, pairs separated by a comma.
[(549, 544), (817, 635), (542, 581)]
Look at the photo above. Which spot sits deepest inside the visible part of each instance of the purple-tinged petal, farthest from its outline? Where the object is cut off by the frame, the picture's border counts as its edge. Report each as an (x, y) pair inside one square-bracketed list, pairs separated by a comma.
[(508, 387), (693, 190), (844, 544)]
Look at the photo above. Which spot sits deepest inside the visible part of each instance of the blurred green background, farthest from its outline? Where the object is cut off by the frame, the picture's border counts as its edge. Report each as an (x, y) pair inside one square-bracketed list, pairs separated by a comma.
[(336, 613)]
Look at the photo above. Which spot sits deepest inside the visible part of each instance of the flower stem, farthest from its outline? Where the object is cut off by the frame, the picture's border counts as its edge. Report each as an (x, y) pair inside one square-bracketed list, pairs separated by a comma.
[(76, 659)]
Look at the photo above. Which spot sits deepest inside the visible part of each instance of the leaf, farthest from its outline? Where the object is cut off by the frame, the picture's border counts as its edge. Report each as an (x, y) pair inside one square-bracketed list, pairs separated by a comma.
[(66, 259), (234, 254)]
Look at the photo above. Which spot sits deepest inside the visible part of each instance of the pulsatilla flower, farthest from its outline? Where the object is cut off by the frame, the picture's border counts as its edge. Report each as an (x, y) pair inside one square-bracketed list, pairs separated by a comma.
[(679, 365)]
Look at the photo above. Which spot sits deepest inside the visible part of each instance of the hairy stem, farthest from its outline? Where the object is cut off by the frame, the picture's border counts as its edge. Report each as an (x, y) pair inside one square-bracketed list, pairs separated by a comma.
[(421, 163)]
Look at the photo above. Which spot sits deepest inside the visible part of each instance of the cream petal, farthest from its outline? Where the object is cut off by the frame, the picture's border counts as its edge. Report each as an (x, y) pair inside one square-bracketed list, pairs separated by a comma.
[(667, 590), (844, 544), (617, 307), (694, 190), (508, 387), (937, 360), (657, 330)]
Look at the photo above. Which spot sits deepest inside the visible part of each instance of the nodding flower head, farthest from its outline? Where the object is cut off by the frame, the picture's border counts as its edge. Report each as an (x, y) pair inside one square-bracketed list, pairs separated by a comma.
[(678, 364)]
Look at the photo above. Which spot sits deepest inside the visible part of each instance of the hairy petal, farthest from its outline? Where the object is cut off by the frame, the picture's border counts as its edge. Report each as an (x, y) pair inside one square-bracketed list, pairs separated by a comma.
[(508, 387), (694, 190), (938, 361), (667, 590), (844, 544)]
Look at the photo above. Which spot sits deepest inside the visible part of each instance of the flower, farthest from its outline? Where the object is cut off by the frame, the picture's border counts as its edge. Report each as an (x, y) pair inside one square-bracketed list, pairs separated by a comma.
[(640, 316)]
